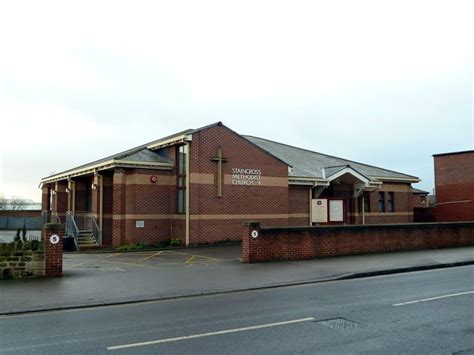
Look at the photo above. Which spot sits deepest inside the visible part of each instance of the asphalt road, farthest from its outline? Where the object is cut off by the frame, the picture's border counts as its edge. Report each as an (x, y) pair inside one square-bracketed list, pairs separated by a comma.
[(430, 312)]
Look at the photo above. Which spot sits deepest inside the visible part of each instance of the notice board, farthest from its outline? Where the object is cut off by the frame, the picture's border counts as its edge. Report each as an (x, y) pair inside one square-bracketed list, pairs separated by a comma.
[(319, 210)]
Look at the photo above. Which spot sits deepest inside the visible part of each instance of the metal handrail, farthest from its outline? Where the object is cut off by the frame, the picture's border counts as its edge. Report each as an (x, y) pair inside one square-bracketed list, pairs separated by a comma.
[(95, 231), (71, 229), (83, 221), (46, 214)]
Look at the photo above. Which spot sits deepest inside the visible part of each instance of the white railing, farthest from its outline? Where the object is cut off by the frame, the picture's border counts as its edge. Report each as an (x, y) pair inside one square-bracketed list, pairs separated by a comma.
[(82, 223)]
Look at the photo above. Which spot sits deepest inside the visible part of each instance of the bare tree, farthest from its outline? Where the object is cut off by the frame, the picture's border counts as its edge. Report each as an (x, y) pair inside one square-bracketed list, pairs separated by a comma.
[(17, 203), (3, 202)]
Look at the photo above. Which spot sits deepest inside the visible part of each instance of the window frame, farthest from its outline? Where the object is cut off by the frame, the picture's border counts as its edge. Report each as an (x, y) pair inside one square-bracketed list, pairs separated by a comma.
[(381, 201), (365, 203), (391, 202), (181, 160)]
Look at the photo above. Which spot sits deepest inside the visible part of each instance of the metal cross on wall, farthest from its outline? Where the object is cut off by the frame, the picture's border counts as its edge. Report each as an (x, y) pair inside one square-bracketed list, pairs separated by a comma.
[(219, 159)]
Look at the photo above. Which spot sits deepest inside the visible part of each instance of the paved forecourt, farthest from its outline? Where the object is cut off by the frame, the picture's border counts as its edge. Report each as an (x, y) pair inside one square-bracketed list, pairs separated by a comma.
[(149, 260)]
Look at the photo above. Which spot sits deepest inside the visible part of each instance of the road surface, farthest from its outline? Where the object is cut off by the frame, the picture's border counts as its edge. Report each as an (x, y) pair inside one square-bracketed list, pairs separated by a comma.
[(430, 312)]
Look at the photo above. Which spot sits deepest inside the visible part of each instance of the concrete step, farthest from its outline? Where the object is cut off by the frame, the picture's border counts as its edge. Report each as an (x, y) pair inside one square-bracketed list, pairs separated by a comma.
[(86, 240)]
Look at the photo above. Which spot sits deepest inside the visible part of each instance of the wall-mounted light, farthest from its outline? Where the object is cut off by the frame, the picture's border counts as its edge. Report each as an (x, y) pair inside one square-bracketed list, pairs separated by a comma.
[(53, 192), (94, 186), (68, 190)]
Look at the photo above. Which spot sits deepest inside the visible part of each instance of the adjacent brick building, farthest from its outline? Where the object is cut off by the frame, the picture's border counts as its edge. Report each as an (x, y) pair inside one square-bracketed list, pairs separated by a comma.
[(199, 185), (454, 183), (420, 198)]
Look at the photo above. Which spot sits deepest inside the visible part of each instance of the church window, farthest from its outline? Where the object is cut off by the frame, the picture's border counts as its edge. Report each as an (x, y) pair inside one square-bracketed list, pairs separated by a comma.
[(391, 202), (381, 201), (181, 153)]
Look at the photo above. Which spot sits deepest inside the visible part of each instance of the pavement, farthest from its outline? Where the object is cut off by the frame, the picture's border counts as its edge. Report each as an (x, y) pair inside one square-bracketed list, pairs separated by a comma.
[(116, 278), (427, 312)]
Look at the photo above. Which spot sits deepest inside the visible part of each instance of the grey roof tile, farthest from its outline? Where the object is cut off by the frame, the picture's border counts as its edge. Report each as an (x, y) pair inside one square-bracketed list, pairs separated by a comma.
[(306, 163), (148, 156)]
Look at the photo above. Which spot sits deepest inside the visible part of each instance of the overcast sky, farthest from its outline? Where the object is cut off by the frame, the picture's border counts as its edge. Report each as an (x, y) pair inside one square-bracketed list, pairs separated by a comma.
[(388, 83)]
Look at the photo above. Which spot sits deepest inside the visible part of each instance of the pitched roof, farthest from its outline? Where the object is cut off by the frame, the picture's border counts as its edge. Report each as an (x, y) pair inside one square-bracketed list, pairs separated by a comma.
[(137, 155), (418, 191), (307, 163), (303, 163)]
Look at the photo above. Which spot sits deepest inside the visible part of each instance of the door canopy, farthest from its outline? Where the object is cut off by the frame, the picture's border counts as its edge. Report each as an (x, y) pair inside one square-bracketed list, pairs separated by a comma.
[(345, 174)]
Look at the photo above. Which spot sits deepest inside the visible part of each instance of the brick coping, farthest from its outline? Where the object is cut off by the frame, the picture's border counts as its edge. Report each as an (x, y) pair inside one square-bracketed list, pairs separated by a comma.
[(366, 226)]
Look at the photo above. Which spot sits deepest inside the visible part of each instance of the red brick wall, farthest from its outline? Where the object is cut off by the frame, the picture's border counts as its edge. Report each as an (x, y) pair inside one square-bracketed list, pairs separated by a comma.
[(420, 200), (20, 213), (424, 214), (220, 218), (296, 243), (60, 200), (53, 253), (107, 209), (298, 204), (454, 181), (118, 207), (137, 198), (403, 205), (45, 198)]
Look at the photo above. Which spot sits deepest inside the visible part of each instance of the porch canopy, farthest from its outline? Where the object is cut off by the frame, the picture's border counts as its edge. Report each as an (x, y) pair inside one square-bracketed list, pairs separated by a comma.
[(346, 174)]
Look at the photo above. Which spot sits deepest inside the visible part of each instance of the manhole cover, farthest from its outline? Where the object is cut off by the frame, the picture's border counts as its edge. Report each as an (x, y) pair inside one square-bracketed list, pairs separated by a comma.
[(339, 323)]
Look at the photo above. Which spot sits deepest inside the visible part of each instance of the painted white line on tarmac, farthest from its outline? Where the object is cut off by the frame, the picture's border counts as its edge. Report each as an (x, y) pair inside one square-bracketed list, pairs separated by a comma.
[(220, 332), (433, 298)]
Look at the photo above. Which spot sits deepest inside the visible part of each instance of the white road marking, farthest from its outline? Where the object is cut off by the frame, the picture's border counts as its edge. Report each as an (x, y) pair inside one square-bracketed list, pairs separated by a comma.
[(433, 298), (220, 332)]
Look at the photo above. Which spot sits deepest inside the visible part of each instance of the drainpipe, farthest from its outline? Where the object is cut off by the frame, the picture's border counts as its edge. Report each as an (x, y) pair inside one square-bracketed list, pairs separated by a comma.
[(363, 209)]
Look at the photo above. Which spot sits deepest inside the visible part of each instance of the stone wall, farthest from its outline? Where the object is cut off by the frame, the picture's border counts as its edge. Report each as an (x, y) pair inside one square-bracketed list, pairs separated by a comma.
[(295, 243), (22, 260), (30, 259)]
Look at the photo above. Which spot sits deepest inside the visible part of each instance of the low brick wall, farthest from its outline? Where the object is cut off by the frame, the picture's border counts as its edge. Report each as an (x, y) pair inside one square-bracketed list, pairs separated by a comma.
[(30, 259), (20, 213), (22, 260), (295, 243)]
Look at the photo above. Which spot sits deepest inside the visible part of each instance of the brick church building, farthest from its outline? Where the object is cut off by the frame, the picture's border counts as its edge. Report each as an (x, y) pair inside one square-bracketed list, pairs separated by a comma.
[(199, 185)]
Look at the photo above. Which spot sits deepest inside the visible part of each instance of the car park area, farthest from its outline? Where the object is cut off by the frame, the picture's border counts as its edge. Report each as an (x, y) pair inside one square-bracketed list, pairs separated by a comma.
[(151, 260)]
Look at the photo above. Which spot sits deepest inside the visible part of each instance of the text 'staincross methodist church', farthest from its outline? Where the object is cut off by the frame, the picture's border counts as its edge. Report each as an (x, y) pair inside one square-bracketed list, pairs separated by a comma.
[(199, 185)]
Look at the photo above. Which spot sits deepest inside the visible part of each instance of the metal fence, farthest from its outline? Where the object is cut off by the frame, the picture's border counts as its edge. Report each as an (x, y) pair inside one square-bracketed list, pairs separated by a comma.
[(13, 223)]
